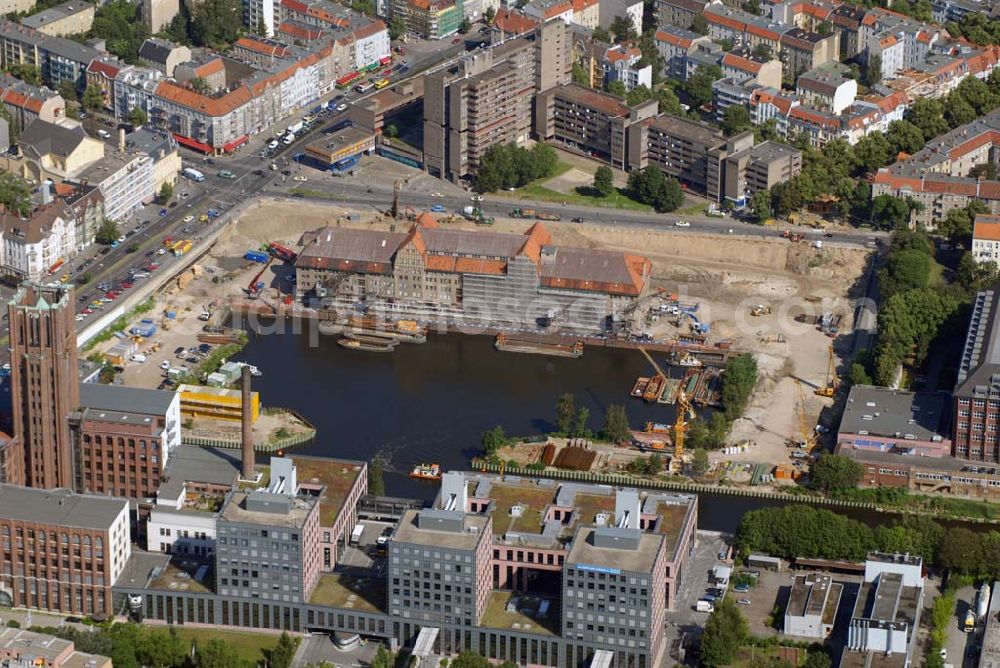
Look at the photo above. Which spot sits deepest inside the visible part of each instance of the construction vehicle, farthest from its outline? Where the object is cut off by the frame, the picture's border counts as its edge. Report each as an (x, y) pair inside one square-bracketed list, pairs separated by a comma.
[(282, 253), (518, 212), (807, 435), (553, 217), (832, 382), (256, 285), (475, 214), (792, 236), (760, 309)]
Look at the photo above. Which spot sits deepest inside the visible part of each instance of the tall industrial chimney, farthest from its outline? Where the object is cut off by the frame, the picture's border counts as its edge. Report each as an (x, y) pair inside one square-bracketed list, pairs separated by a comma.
[(246, 470), (121, 140)]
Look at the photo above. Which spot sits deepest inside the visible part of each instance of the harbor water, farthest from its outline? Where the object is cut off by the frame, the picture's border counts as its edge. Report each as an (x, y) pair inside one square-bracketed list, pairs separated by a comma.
[(431, 402)]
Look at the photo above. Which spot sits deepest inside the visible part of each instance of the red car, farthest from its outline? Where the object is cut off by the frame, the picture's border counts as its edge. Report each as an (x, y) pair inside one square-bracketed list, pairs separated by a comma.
[(86, 311), (126, 286), (386, 72), (456, 40), (111, 295)]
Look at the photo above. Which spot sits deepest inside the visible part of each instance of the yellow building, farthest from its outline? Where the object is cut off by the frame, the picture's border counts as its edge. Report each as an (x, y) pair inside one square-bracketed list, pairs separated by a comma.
[(204, 401)]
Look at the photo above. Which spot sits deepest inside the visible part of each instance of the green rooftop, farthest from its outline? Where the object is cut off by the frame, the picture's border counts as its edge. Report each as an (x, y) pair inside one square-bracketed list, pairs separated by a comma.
[(354, 593), (524, 618), (534, 500), (179, 576), (339, 477)]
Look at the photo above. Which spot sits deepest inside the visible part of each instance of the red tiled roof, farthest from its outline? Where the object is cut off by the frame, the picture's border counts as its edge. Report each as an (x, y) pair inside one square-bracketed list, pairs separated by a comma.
[(300, 31), (513, 23), (890, 103), (740, 63), (259, 46), (372, 28), (764, 33), (987, 227), (726, 21), (580, 5), (676, 40), (107, 69)]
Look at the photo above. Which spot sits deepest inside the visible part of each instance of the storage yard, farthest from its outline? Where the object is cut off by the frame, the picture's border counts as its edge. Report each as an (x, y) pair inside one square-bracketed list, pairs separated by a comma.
[(723, 278)]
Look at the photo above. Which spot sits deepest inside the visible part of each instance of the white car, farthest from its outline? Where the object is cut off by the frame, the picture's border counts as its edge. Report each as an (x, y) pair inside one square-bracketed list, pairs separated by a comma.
[(299, 178), (273, 144), (139, 357), (165, 364), (341, 107), (80, 317), (121, 239), (682, 223), (188, 219), (161, 251), (436, 195)]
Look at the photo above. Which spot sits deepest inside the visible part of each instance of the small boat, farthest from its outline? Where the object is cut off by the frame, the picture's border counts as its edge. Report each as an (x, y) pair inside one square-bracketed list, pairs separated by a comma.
[(685, 359), (426, 472), (640, 387), (652, 392), (354, 344)]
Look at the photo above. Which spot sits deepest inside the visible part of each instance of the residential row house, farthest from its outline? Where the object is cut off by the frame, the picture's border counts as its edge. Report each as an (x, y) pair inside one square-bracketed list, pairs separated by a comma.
[(24, 103), (57, 59)]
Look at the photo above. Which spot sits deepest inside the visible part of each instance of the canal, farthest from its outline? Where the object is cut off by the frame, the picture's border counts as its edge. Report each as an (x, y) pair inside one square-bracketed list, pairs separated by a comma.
[(431, 402)]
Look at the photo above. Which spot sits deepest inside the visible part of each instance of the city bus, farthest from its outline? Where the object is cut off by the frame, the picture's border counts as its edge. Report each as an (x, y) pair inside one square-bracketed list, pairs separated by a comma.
[(381, 83)]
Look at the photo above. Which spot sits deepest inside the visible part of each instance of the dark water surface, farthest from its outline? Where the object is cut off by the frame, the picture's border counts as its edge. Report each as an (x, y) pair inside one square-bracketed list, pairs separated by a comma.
[(431, 402)]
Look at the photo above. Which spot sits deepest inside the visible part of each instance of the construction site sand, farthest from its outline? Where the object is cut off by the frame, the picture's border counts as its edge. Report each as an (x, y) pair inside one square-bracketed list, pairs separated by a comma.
[(722, 272)]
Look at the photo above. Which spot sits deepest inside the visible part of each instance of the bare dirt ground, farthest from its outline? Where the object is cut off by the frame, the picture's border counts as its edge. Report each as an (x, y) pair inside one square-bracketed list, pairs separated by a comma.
[(726, 275)]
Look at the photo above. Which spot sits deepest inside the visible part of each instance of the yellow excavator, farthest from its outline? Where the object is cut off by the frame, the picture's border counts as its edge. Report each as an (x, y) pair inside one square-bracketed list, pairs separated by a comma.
[(832, 382)]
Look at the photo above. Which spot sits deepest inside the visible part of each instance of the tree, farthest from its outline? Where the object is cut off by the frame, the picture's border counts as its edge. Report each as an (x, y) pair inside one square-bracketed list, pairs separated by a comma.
[(27, 73), (15, 194), (817, 658), (873, 70), (987, 170), (622, 29), (763, 51), (760, 206), (493, 440), (507, 166), (725, 631), (668, 101), (735, 119), (616, 427), (975, 276), (928, 115), (616, 88), (650, 186), (873, 151), (93, 98), (283, 652), (383, 658), (891, 212), (137, 116), (397, 28), (582, 416), (699, 461), (601, 34), (159, 648), (465, 26), (580, 75), (376, 476), (699, 24), (739, 377), (859, 375), (906, 270), (958, 111), (200, 85), (166, 193), (67, 90), (907, 324), (107, 233), (637, 95), (216, 654), (904, 137), (120, 24), (961, 550), (835, 473), (565, 412), (391, 131), (490, 14), (699, 85), (604, 180)]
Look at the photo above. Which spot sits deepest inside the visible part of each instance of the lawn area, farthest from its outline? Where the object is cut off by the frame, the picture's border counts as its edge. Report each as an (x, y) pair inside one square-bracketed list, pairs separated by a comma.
[(615, 200), (937, 275), (252, 647)]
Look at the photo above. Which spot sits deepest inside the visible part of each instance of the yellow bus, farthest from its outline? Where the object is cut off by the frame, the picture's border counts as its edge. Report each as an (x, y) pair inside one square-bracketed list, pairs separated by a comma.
[(381, 83)]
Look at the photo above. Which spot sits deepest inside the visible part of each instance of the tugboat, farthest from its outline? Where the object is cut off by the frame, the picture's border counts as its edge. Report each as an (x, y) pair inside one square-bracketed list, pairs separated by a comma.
[(685, 359), (426, 472)]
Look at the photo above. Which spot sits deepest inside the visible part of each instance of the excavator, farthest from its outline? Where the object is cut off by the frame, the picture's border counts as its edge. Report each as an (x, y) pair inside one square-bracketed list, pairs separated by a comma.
[(832, 382)]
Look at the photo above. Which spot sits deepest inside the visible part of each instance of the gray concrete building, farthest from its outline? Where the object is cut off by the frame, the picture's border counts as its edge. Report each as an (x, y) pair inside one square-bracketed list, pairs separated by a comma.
[(758, 168), (486, 98), (812, 606)]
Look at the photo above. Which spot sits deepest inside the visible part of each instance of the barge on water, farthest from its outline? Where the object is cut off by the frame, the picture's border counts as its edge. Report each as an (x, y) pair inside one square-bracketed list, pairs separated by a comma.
[(512, 344), (370, 346), (640, 386)]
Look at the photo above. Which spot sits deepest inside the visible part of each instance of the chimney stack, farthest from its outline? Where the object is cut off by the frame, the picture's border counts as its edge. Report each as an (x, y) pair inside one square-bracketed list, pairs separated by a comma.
[(246, 471), (121, 140)]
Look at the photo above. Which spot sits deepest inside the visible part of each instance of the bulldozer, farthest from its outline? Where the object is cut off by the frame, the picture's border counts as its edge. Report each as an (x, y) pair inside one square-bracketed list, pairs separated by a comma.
[(760, 309), (832, 382)]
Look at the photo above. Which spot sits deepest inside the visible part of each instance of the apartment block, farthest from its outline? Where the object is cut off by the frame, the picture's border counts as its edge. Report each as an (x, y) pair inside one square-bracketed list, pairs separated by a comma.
[(157, 14), (802, 50), (164, 55), (61, 551), (20, 647), (681, 149), (827, 89), (986, 238), (758, 168), (678, 13), (44, 386), (487, 98), (674, 44), (431, 19), (595, 124), (69, 18)]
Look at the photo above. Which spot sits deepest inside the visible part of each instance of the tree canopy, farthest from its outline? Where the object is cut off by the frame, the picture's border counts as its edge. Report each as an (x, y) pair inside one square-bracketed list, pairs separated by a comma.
[(738, 381), (650, 186), (724, 632), (835, 473), (508, 166)]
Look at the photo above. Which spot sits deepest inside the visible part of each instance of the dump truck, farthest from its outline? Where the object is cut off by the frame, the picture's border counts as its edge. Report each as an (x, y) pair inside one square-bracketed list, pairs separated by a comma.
[(548, 216), (518, 212)]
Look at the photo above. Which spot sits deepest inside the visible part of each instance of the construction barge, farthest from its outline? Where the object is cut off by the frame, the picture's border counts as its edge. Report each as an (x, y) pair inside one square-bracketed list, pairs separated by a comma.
[(703, 386), (532, 345)]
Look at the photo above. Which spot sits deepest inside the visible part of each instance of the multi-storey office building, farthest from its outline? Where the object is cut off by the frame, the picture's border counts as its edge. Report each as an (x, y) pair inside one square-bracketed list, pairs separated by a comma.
[(511, 569), (61, 551), (977, 390)]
